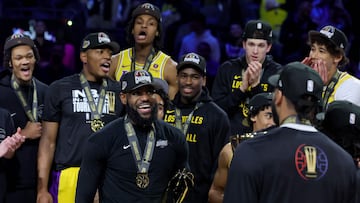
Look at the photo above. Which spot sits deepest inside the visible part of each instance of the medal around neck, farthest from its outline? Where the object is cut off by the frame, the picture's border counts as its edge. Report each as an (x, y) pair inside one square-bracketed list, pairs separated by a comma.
[(142, 180), (96, 124)]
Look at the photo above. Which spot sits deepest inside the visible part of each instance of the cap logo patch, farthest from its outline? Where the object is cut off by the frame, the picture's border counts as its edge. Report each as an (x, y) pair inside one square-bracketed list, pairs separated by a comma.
[(86, 44), (123, 85), (259, 26), (17, 35), (103, 38), (328, 31), (310, 86), (142, 77), (352, 118), (148, 6), (192, 58)]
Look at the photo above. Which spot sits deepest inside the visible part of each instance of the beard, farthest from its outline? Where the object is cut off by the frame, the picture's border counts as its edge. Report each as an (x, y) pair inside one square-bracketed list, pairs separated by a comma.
[(275, 114), (140, 121)]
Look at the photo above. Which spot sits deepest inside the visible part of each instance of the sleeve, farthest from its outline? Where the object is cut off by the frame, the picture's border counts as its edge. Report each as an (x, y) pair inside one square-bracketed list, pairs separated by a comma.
[(90, 171), (222, 92), (52, 104), (10, 127), (221, 137), (243, 184)]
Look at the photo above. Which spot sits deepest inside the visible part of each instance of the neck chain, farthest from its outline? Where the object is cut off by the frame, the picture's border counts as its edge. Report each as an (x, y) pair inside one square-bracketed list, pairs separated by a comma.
[(142, 160), (148, 60), (296, 119), (31, 113), (178, 118), (330, 88), (96, 110)]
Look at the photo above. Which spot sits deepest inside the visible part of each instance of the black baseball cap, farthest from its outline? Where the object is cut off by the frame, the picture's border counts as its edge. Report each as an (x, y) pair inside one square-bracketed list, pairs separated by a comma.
[(18, 39), (133, 80), (257, 29), (147, 9), (341, 115), (161, 84), (296, 80), (336, 36), (98, 40), (260, 100), (192, 60)]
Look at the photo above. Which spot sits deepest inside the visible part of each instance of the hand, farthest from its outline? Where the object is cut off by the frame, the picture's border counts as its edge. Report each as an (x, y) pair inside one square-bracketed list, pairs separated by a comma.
[(44, 197), (319, 66), (307, 61), (32, 130), (11, 143), (245, 81), (254, 70)]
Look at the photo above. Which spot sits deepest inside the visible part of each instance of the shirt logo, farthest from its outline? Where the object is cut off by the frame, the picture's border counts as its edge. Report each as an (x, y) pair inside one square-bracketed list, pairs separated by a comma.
[(126, 146), (311, 162)]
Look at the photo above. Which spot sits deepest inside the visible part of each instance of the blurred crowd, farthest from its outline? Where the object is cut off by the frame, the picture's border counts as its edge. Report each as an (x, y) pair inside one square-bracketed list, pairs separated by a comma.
[(215, 25)]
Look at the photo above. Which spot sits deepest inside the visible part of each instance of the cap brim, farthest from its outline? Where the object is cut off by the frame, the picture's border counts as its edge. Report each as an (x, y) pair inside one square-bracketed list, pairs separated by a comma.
[(273, 80), (114, 46), (189, 64), (314, 33), (142, 85)]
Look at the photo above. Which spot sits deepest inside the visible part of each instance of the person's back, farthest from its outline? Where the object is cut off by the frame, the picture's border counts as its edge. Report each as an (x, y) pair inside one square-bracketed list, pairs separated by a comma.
[(295, 162), (305, 168)]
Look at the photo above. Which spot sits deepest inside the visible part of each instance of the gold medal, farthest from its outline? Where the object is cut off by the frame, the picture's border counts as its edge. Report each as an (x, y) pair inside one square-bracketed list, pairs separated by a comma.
[(142, 180), (96, 124)]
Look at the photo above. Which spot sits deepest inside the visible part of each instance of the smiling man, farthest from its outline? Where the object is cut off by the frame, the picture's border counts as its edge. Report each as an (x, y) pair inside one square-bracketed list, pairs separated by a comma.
[(23, 96), (204, 124), (133, 158), (145, 35), (75, 107)]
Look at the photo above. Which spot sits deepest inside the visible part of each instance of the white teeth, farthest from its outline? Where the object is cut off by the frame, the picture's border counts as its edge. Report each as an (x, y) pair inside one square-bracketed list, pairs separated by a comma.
[(143, 106), (106, 64)]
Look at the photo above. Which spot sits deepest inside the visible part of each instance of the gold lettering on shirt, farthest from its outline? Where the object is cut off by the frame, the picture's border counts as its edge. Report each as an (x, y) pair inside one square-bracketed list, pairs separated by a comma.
[(191, 137)]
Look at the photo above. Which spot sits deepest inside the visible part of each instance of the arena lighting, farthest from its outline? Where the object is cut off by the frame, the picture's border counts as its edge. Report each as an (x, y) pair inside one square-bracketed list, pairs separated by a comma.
[(69, 23)]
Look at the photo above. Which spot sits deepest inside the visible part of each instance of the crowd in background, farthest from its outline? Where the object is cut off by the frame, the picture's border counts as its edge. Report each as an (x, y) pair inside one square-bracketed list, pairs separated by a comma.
[(215, 56), (216, 26)]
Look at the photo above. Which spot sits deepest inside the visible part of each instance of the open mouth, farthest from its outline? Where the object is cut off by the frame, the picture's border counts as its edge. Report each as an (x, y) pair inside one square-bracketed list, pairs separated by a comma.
[(144, 108), (105, 66), (26, 70), (142, 35)]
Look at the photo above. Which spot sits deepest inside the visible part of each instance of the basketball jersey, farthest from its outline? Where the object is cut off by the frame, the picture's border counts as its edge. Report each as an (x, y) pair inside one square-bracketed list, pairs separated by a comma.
[(156, 68), (343, 77)]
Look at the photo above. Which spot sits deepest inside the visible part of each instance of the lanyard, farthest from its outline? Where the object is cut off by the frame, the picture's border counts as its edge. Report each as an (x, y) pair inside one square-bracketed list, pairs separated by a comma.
[(178, 121), (142, 161), (295, 119), (31, 113), (330, 88), (96, 110), (148, 61)]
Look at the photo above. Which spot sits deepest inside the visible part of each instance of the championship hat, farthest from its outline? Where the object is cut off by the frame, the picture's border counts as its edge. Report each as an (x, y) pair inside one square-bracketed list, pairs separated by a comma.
[(260, 100), (192, 60), (18, 39), (336, 36), (147, 9), (258, 29), (98, 40), (135, 79), (296, 80)]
